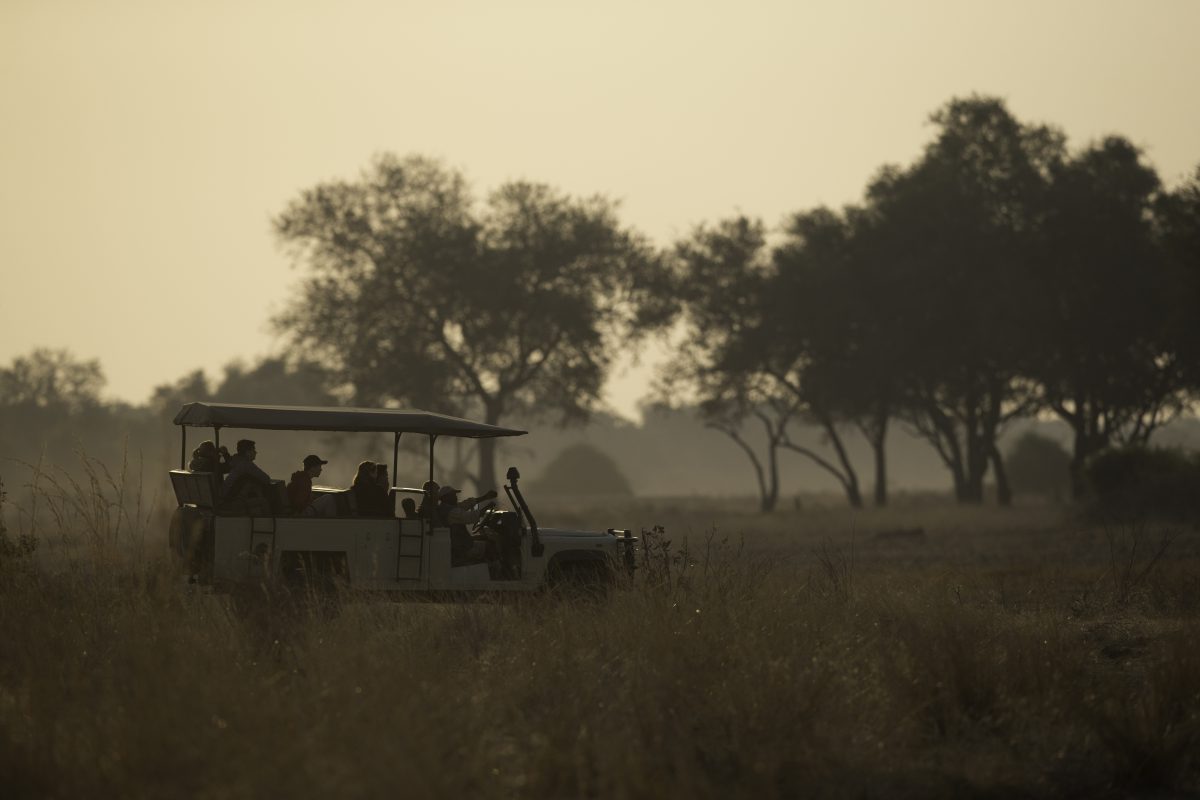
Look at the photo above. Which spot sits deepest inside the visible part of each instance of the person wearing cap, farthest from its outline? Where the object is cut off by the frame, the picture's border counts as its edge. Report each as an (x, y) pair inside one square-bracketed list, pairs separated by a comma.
[(299, 488), (429, 501), (464, 548)]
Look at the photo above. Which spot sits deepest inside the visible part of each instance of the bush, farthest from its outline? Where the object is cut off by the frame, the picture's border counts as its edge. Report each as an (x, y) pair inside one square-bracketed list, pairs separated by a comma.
[(582, 469), (22, 547), (1039, 465), (1136, 483)]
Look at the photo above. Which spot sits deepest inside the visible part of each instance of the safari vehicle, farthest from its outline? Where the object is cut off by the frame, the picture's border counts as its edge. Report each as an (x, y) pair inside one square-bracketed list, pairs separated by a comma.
[(225, 546)]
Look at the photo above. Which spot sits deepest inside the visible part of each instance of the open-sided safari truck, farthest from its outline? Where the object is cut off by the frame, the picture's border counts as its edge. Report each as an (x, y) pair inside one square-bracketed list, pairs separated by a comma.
[(227, 546)]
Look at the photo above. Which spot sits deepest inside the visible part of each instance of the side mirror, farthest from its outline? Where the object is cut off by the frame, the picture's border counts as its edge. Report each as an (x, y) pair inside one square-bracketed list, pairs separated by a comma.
[(512, 474)]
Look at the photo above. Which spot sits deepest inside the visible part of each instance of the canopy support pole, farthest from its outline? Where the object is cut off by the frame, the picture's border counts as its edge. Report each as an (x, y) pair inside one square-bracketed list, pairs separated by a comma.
[(432, 439), (396, 460), (183, 448)]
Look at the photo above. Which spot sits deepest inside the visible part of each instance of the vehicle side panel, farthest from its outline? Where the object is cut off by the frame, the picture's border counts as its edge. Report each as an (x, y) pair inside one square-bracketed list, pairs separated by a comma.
[(231, 548), (380, 553)]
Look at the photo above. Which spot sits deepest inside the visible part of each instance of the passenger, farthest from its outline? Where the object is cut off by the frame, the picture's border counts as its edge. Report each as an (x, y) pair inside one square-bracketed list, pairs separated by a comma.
[(299, 488), (368, 496), (410, 508), (326, 504), (465, 548), (246, 480), (207, 458), (429, 501), (385, 483)]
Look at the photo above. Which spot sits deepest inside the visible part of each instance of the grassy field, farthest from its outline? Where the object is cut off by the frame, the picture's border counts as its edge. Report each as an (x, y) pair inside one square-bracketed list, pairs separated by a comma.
[(926, 650)]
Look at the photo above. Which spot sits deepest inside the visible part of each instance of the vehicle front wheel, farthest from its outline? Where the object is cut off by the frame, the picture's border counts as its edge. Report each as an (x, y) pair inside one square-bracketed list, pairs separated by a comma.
[(585, 579)]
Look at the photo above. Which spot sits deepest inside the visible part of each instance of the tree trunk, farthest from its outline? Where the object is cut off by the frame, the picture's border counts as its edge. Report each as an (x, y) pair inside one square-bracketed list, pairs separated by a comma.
[(881, 488), (853, 495), (1078, 479), (1088, 442), (848, 475), (487, 466), (487, 448), (958, 477), (771, 496), (878, 444), (937, 428), (972, 488), (1003, 489), (768, 480)]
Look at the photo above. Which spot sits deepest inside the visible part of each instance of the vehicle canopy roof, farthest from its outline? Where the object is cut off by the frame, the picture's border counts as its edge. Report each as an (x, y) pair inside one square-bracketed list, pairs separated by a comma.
[(335, 418)]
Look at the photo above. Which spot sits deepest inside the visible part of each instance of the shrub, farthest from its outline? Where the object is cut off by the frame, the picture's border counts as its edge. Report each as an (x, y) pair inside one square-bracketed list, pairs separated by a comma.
[(1136, 483), (1039, 465), (582, 469), (22, 547)]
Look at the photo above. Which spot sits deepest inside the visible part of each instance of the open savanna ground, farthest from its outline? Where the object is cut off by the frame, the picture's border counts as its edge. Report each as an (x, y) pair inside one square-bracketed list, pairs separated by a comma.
[(925, 650)]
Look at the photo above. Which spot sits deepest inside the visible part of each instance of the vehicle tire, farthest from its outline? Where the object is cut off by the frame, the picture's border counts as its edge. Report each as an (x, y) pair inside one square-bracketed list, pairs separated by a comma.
[(583, 579)]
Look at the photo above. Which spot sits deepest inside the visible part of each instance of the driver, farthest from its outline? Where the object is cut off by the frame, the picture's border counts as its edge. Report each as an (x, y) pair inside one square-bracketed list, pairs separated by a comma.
[(465, 547)]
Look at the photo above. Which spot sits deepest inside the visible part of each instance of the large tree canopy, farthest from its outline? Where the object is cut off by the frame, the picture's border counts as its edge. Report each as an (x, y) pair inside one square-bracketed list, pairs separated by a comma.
[(417, 295), (959, 228), (1178, 218), (51, 379), (772, 338), (1105, 363), (720, 274)]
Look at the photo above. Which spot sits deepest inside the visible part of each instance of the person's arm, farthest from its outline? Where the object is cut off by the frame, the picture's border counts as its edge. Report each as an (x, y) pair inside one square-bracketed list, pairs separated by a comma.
[(462, 515), (471, 502)]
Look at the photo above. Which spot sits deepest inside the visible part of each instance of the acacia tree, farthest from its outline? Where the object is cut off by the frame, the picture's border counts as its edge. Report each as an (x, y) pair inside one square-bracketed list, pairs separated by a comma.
[(746, 358), (830, 337), (959, 228), (1105, 364), (720, 277), (1177, 218), (415, 295)]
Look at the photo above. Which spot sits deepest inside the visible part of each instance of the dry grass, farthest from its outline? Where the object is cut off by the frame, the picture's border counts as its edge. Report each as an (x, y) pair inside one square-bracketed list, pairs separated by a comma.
[(815, 653)]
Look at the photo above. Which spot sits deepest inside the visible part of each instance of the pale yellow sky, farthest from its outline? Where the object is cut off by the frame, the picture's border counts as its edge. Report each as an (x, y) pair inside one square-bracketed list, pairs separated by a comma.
[(145, 146)]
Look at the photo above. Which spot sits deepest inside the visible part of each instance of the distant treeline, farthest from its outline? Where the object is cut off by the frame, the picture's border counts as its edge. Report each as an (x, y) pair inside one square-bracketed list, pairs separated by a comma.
[(671, 451), (999, 277)]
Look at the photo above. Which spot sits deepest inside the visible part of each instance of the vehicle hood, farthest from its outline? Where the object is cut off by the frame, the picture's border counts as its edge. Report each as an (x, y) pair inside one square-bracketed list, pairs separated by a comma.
[(570, 534)]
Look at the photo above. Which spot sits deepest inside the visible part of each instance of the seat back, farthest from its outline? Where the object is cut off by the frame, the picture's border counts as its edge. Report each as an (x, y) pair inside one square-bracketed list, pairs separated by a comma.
[(195, 488)]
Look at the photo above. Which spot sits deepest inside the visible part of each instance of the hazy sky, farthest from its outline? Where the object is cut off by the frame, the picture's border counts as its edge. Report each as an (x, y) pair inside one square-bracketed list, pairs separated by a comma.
[(145, 146)]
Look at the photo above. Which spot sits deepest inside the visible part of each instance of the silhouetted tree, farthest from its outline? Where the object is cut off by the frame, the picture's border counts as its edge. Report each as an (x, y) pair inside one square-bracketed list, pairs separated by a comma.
[(416, 296), (1178, 224), (748, 358), (48, 400), (51, 409), (167, 398), (959, 228), (1104, 363), (51, 379), (275, 381), (829, 336), (721, 275)]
